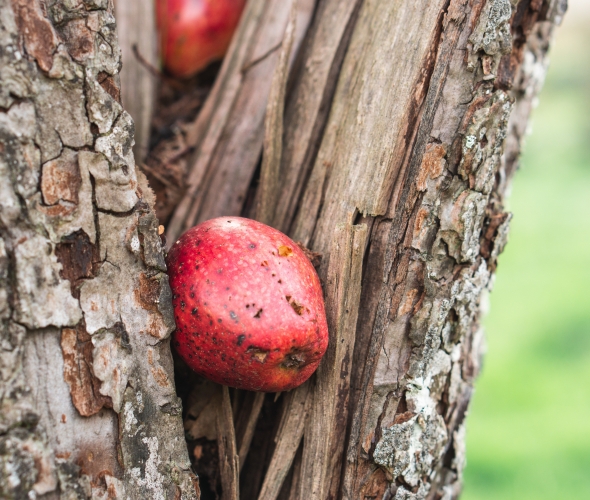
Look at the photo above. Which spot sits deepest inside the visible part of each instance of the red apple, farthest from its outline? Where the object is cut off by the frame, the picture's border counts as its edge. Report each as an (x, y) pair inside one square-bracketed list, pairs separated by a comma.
[(194, 33), (248, 305)]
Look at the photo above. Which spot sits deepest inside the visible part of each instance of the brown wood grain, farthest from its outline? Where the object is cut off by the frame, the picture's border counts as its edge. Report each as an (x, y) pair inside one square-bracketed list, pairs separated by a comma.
[(324, 444), (287, 441), (136, 26), (267, 193), (226, 441)]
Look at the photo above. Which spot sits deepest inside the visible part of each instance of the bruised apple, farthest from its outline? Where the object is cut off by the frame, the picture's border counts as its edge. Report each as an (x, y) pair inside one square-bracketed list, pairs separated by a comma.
[(194, 33), (248, 305)]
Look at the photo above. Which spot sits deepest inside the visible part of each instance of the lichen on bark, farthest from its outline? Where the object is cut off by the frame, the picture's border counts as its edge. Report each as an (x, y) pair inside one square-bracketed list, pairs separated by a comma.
[(422, 388)]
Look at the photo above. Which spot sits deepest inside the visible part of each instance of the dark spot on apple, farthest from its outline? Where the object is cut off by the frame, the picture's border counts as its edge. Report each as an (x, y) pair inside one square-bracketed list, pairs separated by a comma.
[(280, 281), (294, 359), (297, 307), (247, 306), (241, 339), (257, 315)]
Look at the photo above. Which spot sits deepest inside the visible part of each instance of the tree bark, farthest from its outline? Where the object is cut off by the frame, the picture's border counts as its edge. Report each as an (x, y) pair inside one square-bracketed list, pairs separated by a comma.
[(401, 130), (89, 407)]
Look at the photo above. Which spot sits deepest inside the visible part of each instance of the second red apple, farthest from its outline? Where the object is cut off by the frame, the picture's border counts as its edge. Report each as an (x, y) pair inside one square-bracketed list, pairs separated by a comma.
[(194, 33)]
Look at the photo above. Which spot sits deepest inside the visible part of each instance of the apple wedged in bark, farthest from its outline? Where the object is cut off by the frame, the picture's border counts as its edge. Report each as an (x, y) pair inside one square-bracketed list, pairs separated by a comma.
[(194, 33), (248, 305)]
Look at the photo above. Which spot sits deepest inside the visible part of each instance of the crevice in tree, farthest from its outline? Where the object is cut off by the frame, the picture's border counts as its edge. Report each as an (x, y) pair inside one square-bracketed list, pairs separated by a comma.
[(248, 207), (261, 448), (177, 105), (80, 259)]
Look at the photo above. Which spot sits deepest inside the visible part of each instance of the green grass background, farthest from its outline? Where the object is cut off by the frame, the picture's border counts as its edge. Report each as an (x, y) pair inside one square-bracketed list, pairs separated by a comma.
[(528, 431)]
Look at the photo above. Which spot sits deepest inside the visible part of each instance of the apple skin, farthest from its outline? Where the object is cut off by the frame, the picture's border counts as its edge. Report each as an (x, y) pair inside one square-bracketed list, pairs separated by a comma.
[(248, 305), (194, 33)]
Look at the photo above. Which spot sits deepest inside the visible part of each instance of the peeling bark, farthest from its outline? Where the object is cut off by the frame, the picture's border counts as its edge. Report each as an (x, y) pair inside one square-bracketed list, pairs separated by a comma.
[(89, 408)]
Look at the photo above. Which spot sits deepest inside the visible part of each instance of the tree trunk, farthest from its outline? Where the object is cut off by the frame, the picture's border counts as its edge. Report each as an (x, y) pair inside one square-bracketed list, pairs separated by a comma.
[(390, 156), (89, 406)]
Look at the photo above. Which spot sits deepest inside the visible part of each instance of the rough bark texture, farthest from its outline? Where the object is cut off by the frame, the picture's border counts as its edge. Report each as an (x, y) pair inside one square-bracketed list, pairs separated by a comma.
[(88, 404), (402, 122)]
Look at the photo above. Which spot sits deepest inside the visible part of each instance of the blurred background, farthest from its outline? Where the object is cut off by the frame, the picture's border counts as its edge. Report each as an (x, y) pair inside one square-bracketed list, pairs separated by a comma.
[(528, 431)]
